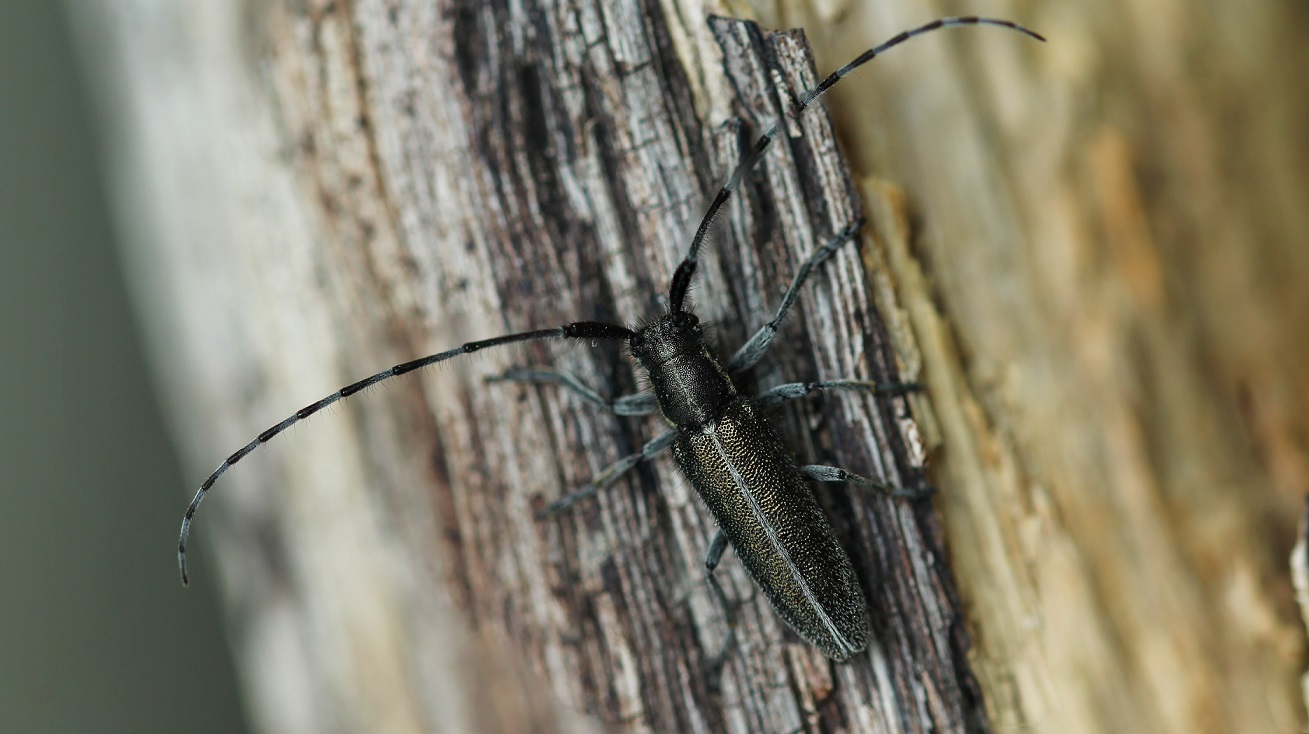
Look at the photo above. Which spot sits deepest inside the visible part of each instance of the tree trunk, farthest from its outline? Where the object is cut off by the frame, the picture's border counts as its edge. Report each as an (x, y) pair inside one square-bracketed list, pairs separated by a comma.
[(1095, 297)]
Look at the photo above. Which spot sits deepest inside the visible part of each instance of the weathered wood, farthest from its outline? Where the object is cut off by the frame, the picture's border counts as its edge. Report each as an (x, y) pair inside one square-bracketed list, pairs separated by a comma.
[(1077, 255), (1107, 284), (463, 172)]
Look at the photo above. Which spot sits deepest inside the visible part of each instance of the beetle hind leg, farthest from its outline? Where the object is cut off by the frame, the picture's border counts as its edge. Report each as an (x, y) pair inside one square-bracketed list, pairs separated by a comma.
[(728, 609)]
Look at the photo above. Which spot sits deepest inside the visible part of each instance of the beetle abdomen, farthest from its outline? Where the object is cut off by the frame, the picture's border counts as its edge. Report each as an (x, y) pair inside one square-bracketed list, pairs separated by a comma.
[(745, 475)]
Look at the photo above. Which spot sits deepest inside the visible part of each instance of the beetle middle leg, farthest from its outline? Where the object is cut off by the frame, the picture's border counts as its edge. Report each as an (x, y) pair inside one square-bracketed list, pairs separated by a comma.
[(824, 473), (793, 390), (637, 404), (611, 473)]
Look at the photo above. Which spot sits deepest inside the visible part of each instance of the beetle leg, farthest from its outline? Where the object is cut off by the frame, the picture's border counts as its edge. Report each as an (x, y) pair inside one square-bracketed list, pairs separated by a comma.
[(822, 473), (638, 404), (612, 472), (753, 350), (712, 558), (792, 390)]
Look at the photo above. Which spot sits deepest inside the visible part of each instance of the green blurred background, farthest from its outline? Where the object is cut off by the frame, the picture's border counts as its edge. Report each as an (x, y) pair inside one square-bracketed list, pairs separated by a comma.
[(96, 634)]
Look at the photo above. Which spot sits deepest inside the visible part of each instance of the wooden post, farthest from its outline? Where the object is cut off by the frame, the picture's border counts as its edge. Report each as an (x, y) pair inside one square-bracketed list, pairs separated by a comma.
[(1070, 245)]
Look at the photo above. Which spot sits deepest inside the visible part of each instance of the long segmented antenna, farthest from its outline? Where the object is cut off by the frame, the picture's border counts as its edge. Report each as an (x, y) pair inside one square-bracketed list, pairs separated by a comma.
[(576, 330), (682, 278)]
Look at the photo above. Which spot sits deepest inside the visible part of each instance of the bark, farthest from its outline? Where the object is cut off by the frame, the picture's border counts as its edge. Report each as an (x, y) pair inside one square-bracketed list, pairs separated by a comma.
[(1092, 273), (1103, 265)]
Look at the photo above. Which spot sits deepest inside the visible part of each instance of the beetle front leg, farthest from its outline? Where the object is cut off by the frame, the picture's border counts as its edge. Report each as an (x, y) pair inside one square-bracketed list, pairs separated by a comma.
[(795, 390), (753, 350)]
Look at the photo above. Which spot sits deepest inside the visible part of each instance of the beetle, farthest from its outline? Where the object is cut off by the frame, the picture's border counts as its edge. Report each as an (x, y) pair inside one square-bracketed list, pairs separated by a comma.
[(720, 438)]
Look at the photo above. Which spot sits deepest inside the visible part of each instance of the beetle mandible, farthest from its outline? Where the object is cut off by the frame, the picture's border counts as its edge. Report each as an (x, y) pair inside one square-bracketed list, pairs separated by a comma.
[(720, 439)]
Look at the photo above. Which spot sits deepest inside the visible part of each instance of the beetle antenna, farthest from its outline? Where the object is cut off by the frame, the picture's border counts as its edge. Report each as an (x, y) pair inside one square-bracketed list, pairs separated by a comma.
[(576, 330), (682, 277)]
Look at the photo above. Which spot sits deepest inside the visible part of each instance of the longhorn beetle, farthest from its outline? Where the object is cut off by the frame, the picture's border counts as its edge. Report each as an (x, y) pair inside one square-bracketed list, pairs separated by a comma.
[(721, 440)]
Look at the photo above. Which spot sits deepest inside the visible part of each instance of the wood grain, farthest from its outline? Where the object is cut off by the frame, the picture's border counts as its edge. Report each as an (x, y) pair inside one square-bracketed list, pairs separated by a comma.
[(1091, 252)]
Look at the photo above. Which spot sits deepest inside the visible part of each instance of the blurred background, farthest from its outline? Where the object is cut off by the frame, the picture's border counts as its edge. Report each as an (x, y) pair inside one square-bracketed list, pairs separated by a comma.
[(96, 634)]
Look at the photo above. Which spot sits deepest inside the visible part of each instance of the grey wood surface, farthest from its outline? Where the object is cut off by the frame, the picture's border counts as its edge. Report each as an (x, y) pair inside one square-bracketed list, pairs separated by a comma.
[(1089, 251)]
